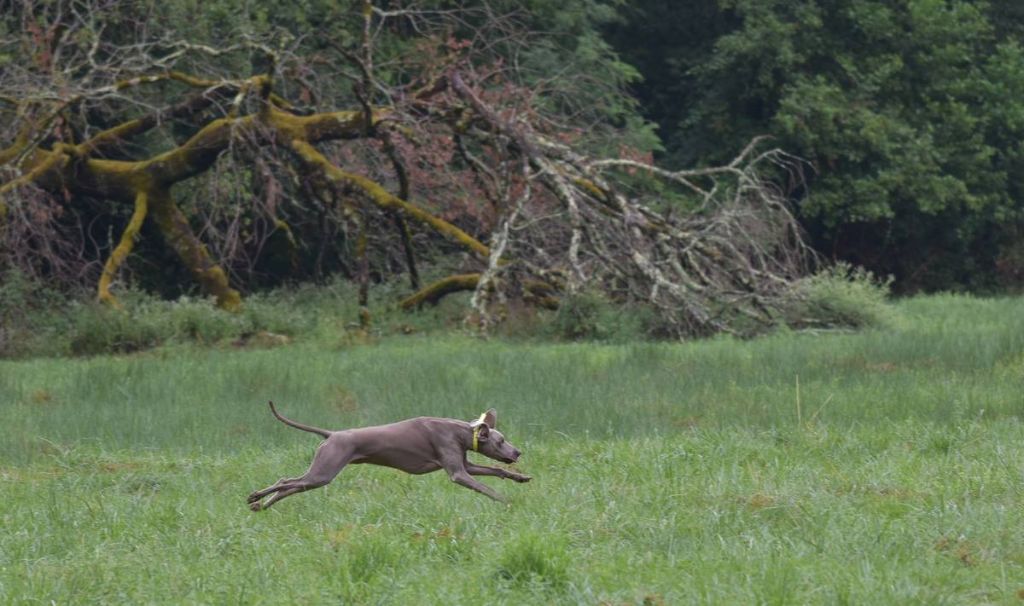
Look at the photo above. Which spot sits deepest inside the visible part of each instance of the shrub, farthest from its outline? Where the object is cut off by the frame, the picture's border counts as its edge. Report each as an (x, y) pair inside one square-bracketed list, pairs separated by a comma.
[(197, 320), (97, 329), (284, 312), (841, 296), (30, 318), (589, 316), (35, 320)]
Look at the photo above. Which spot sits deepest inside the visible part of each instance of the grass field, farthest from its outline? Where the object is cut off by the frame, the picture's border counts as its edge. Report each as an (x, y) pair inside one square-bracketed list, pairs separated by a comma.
[(873, 468)]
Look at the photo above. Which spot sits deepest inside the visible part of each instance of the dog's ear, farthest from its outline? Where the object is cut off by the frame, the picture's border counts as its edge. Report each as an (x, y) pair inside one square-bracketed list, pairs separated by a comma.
[(483, 433), (491, 418)]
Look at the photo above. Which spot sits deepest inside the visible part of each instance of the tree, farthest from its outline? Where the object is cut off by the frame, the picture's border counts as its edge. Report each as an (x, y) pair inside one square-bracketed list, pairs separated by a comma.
[(392, 132), (909, 113)]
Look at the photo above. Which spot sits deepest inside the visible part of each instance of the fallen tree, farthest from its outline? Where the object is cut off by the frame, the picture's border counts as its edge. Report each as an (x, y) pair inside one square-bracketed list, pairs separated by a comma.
[(456, 153)]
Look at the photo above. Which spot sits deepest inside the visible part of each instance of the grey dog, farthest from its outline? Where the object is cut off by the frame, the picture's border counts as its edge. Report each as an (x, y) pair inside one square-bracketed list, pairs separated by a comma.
[(415, 446)]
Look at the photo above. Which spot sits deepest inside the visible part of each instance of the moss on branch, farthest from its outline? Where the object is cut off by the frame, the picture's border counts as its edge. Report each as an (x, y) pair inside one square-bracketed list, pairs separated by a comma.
[(384, 199), (124, 248), (146, 183), (434, 292), (541, 293), (178, 235)]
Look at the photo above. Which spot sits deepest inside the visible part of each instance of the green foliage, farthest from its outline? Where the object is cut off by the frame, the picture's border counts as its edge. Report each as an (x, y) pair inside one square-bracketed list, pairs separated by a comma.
[(589, 316), (147, 322), (85, 328), (558, 47), (591, 79), (842, 296), (839, 296), (30, 323), (97, 329), (40, 322), (910, 113)]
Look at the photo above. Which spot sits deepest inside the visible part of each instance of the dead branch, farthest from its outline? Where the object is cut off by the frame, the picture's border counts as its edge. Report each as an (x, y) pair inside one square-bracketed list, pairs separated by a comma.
[(432, 152)]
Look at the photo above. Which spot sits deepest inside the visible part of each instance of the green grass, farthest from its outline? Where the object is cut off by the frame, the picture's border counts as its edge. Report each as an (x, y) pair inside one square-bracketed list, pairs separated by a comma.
[(663, 473)]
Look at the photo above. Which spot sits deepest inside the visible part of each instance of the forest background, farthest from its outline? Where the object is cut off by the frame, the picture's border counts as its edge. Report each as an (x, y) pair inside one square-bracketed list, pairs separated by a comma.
[(897, 127)]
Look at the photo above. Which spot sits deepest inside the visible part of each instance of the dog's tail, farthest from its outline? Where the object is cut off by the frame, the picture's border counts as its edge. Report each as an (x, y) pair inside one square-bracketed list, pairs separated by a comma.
[(287, 421)]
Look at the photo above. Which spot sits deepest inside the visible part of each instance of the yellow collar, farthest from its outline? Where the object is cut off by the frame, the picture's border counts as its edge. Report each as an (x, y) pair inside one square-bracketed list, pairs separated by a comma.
[(476, 432)]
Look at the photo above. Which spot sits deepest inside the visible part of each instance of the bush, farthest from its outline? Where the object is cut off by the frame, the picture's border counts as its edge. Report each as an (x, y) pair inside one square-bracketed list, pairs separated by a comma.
[(289, 312), (147, 322), (841, 296), (589, 316), (30, 321), (202, 321), (37, 321), (97, 329)]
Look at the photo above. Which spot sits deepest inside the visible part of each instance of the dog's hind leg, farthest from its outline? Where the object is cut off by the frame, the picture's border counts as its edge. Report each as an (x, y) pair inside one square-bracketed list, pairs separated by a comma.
[(311, 480), (282, 493), (330, 458), (259, 494)]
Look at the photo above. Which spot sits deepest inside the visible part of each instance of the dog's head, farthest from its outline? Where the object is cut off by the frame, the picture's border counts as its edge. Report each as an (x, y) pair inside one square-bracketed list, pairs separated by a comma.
[(490, 442)]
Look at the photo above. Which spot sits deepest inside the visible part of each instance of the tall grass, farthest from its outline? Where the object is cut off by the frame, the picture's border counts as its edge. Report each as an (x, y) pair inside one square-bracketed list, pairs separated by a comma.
[(806, 467), (950, 358)]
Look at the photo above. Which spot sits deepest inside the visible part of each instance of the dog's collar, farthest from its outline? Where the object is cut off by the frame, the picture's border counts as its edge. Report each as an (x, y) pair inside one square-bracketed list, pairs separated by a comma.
[(476, 432)]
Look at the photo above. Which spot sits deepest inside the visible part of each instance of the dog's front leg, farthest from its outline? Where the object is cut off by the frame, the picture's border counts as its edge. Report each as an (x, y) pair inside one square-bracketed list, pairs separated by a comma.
[(457, 473), (485, 470)]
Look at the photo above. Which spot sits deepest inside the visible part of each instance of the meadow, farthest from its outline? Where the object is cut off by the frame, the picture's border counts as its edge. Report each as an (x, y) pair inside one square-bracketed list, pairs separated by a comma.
[(878, 467)]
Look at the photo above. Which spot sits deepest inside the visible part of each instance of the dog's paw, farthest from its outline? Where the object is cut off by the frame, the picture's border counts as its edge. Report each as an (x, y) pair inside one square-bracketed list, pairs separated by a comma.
[(521, 478), (255, 505)]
